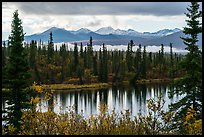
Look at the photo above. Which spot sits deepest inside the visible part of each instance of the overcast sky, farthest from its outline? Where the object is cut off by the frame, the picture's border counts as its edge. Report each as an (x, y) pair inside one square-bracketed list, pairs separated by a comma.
[(140, 16)]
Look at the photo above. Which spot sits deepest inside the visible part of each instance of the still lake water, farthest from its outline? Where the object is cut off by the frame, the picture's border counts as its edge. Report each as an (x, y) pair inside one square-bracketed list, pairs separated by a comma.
[(87, 103)]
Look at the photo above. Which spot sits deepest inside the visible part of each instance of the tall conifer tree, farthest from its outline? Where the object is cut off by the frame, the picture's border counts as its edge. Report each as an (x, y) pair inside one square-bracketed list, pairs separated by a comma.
[(17, 75), (191, 84)]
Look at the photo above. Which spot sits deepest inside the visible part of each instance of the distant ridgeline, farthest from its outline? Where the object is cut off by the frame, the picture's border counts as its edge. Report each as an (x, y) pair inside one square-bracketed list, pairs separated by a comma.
[(109, 36)]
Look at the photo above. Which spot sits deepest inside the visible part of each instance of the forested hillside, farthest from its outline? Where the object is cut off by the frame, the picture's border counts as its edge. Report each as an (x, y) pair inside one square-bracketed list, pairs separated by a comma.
[(83, 65)]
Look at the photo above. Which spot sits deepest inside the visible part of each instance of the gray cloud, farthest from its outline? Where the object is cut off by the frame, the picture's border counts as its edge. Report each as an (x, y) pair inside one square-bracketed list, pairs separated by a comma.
[(104, 8), (94, 23)]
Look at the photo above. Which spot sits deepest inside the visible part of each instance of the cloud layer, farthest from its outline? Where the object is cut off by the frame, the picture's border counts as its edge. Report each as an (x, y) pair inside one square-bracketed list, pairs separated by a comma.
[(124, 48), (104, 8), (140, 16)]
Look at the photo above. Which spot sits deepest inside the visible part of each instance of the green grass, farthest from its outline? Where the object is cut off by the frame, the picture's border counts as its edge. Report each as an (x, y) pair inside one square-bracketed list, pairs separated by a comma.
[(93, 86), (146, 81), (75, 87)]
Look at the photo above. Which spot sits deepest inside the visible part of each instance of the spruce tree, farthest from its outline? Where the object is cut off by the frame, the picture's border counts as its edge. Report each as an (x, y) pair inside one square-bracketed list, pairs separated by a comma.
[(3, 55), (161, 61), (76, 61), (63, 61), (50, 59), (50, 51), (101, 65), (150, 57), (85, 57), (90, 54), (190, 86), (4, 61), (33, 52), (105, 64), (81, 50), (139, 58), (144, 67), (129, 57), (17, 76), (171, 62), (95, 64), (138, 66)]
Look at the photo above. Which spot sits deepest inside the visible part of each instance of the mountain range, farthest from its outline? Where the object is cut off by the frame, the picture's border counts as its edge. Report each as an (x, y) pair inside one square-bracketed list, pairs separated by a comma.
[(111, 36)]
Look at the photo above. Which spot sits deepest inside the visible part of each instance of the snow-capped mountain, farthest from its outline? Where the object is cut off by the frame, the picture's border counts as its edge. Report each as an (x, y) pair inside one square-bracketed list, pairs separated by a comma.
[(131, 32), (110, 30), (105, 30), (120, 32), (53, 29), (82, 30), (113, 37), (163, 32)]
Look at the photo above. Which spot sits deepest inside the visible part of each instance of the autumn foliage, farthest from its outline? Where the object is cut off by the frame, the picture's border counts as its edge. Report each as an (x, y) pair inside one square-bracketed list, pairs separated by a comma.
[(156, 122)]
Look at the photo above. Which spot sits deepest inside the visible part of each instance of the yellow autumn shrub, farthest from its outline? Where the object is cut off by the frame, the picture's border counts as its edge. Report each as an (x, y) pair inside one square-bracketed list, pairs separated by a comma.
[(192, 125), (105, 123), (37, 88), (157, 122)]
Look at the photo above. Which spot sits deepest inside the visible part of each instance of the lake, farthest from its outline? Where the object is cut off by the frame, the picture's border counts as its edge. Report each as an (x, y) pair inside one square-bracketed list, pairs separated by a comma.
[(119, 98), (87, 103)]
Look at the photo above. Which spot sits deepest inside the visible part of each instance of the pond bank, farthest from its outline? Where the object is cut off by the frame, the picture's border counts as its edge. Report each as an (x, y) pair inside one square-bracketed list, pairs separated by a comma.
[(94, 86), (147, 81), (75, 87)]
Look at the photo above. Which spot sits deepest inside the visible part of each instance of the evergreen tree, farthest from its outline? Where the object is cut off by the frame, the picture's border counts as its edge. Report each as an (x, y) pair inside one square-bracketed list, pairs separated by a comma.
[(176, 64), (138, 58), (50, 60), (190, 86), (159, 62), (138, 67), (33, 60), (76, 60), (85, 57), (171, 62), (122, 67), (55, 48), (50, 51), (129, 57), (162, 52), (44, 51), (105, 64), (150, 57), (33, 52), (144, 63), (3, 54), (4, 61), (17, 76), (162, 60), (95, 64), (63, 61), (81, 50), (80, 73), (113, 58), (90, 54), (100, 77)]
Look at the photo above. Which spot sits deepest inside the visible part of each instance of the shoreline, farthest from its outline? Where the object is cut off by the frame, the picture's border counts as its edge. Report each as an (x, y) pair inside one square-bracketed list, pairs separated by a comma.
[(94, 86), (72, 87)]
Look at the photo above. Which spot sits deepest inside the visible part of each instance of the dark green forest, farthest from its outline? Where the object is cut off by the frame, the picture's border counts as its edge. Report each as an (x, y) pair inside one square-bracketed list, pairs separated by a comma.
[(84, 66)]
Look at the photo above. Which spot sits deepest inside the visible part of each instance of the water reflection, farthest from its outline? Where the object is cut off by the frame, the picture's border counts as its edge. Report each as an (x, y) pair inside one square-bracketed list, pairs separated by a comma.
[(118, 98)]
